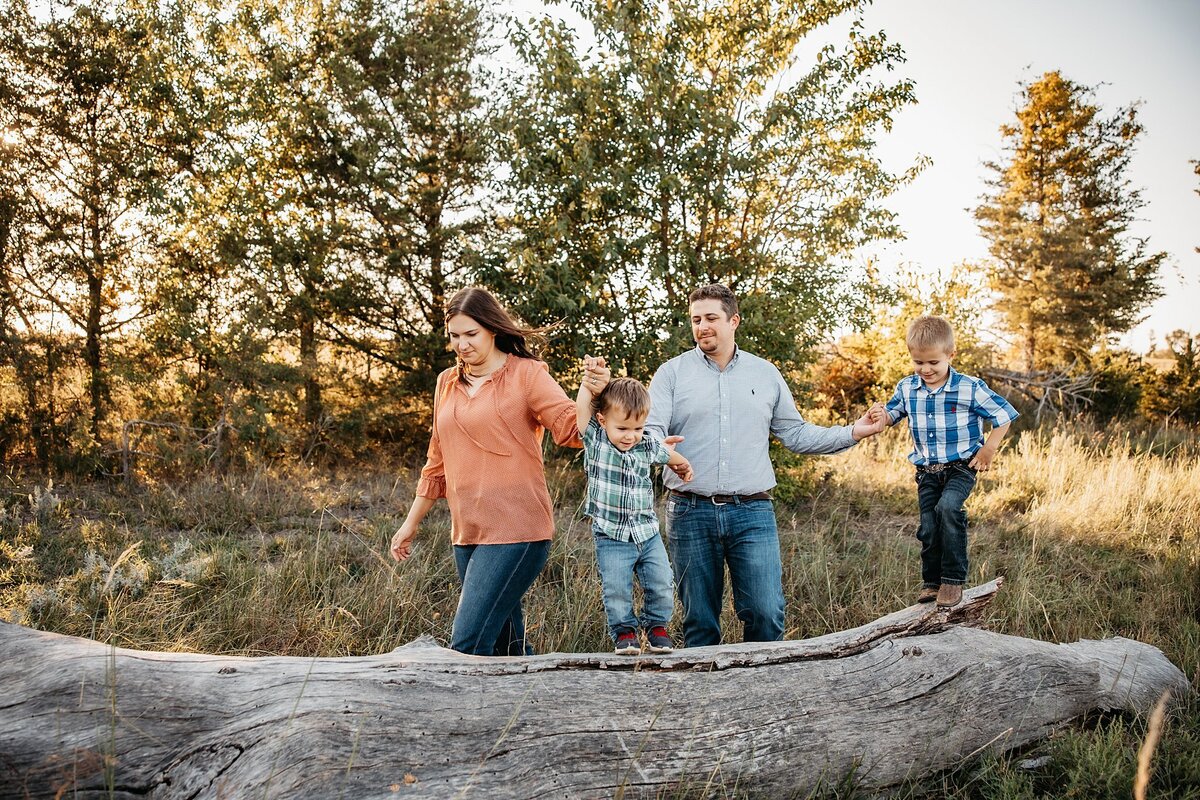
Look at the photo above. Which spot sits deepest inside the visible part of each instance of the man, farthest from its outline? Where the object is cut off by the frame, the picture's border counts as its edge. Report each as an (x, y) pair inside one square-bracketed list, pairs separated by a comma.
[(726, 404)]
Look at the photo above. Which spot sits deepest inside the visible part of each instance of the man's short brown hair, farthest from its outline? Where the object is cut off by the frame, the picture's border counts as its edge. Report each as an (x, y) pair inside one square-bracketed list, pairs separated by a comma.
[(928, 332), (717, 291), (626, 393)]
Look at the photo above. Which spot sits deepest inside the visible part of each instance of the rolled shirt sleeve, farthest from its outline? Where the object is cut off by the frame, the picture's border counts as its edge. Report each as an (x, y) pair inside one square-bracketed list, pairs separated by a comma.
[(991, 406)]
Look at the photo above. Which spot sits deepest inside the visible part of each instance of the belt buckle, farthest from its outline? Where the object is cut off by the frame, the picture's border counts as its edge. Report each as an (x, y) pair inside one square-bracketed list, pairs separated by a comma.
[(713, 500), (935, 468)]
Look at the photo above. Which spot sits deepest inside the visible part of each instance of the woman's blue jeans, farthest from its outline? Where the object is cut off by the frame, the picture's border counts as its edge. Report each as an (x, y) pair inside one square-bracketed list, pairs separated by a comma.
[(943, 528), (703, 537), (617, 563), (489, 620)]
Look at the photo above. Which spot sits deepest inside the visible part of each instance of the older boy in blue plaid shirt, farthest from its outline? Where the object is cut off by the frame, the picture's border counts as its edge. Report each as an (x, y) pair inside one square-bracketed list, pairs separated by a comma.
[(618, 454), (945, 411)]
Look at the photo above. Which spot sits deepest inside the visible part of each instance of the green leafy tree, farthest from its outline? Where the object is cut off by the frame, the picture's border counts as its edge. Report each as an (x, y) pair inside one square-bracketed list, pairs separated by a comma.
[(1119, 382), (332, 155), (75, 100), (31, 358), (234, 329), (1067, 270), (415, 125), (694, 144), (1176, 393), (279, 175), (187, 345), (865, 366)]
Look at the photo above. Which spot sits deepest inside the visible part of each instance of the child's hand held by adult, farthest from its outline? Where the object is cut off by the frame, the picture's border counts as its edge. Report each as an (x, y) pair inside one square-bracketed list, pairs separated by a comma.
[(683, 470), (596, 373), (877, 413), (873, 422)]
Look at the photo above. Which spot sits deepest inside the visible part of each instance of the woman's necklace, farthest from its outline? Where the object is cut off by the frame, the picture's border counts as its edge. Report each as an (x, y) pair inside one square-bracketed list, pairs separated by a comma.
[(479, 376)]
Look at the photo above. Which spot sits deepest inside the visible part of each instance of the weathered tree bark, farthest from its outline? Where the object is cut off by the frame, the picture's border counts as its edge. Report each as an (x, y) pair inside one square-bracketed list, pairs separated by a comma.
[(912, 692)]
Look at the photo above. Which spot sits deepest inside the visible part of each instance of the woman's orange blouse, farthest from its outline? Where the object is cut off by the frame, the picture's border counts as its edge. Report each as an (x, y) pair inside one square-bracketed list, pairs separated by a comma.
[(485, 454)]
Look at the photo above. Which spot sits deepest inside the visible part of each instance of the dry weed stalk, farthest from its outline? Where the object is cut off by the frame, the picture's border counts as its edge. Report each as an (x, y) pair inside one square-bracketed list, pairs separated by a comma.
[(1146, 752)]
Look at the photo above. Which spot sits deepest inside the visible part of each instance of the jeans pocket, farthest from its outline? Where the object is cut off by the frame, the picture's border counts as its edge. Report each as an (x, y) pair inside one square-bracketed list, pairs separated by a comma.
[(678, 509)]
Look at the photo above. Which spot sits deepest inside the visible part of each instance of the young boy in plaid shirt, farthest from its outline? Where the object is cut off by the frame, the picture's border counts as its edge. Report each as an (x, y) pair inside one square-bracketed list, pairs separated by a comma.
[(617, 455), (945, 411)]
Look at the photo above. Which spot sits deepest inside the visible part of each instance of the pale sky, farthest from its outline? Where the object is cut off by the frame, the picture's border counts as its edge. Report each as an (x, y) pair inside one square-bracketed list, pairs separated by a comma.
[(968, 57)]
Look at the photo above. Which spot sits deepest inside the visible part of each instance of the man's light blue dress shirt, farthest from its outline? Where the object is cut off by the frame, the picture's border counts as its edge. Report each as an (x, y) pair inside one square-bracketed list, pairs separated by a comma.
[(727, 417)]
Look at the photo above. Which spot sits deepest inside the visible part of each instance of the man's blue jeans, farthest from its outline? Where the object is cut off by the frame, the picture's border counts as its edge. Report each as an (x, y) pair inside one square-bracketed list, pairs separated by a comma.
[(489, 619), (617, 562), (943, 528), (703, 537)]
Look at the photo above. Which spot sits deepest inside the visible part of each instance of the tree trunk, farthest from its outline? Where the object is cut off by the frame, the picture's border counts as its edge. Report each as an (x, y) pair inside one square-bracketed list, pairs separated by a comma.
[(907, 694), (97, 389), (308, 363)]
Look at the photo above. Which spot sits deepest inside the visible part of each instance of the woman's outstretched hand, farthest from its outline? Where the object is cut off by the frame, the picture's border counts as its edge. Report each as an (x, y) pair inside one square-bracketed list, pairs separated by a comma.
[(402, 542)]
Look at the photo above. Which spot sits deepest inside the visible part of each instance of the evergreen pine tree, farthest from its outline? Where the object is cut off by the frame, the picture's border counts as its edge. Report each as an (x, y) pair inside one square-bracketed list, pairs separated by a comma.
[(1067, 269)]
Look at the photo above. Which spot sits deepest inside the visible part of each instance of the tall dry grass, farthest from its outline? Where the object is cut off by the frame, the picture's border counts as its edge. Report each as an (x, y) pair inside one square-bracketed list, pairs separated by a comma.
[(1096, 531)]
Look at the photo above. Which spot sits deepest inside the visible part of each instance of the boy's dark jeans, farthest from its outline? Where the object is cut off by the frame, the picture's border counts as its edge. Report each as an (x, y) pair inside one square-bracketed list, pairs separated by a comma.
[(943, 528)]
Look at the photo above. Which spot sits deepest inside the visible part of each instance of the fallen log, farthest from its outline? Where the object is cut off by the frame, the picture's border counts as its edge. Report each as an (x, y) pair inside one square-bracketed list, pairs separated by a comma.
[(915, 691)]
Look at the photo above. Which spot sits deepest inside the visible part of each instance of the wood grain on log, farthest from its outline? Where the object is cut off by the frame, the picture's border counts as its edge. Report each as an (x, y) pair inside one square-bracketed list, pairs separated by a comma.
[(912, 692)]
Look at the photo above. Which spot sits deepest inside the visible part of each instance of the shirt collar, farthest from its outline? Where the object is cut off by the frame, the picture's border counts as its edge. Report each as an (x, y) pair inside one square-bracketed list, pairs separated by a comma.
[(708, 362), (953, 377)]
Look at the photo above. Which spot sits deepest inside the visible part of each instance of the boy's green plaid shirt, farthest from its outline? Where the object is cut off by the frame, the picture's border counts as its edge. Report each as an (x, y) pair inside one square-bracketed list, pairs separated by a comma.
[(620, 496)]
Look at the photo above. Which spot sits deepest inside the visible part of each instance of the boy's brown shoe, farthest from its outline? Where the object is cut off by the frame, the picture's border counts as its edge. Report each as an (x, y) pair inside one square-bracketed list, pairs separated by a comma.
[(949, 595), (928, 594)]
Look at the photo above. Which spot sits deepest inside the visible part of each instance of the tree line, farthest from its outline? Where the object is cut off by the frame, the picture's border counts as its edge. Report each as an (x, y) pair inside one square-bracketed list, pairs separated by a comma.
[(1067, 273), (246, 215)]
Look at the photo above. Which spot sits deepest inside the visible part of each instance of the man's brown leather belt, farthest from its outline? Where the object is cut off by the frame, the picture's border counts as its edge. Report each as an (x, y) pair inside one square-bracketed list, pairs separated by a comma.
[(722, 499)]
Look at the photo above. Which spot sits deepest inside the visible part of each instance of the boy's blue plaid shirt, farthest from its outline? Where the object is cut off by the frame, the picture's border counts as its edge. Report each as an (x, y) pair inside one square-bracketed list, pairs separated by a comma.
[(620, 496), (946, 424)]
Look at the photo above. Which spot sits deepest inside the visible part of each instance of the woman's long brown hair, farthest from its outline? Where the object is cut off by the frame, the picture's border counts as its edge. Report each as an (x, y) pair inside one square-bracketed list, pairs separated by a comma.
[(481, 306)]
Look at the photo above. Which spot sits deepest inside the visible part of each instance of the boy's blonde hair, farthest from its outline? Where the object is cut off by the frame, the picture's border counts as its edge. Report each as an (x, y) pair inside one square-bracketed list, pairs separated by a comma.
[(626, 393), (928, 332)]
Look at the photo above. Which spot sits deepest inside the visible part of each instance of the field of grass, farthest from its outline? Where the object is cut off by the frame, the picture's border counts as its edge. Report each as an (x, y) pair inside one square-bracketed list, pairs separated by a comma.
[(1097, 533)]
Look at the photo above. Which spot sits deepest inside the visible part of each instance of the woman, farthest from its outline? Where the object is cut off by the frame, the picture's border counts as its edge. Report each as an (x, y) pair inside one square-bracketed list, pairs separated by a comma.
[(485, 458)]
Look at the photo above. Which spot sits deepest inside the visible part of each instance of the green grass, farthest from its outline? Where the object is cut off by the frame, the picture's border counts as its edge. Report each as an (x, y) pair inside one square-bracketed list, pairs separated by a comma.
[(1096, 537)]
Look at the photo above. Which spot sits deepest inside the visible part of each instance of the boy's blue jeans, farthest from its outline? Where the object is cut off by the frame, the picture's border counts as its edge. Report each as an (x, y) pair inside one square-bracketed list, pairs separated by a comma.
[(704, 537), (943, 528), (489, 620), (617, 562)]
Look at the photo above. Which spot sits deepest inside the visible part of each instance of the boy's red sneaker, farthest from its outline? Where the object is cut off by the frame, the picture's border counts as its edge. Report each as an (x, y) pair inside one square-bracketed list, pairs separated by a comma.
[(659, 640), (627, 644)]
